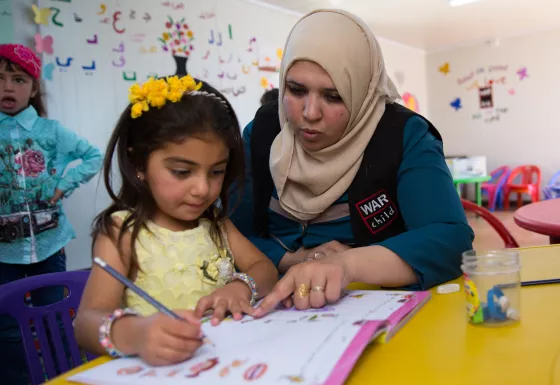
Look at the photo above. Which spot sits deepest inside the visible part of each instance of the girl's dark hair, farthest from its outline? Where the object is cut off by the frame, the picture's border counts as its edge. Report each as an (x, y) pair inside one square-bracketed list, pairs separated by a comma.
[(133, 140), (37, 100)]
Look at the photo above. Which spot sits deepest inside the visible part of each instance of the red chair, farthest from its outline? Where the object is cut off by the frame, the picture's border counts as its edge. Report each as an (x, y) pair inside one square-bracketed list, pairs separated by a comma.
[(530, 183), (509, 240), (495, 185)]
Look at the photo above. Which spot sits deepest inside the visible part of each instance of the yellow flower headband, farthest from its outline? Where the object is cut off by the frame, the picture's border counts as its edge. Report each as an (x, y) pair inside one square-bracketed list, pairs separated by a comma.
[(156, 92)]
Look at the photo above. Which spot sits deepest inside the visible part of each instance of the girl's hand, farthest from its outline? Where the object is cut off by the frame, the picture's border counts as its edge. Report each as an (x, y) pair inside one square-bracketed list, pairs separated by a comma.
[(162, 340), (58, 194), (233, 298)]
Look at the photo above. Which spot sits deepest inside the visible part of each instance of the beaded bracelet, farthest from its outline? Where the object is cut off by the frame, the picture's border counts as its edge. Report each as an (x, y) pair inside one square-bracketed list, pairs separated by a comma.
[(105, 331), (250, 282)]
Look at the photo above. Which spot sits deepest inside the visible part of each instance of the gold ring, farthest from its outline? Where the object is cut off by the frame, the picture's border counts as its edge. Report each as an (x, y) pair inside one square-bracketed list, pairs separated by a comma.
[(319, 289), (303, 290)]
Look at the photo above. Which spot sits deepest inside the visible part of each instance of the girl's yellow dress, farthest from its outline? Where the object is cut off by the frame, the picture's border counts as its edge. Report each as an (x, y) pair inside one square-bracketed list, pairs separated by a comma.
[(177, 267)]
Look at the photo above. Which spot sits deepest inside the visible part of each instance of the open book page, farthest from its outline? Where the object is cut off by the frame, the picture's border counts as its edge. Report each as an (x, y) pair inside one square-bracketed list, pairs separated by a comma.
[(313, 346)]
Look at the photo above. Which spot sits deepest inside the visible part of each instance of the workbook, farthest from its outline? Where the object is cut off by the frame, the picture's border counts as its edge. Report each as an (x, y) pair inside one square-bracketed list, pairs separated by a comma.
[(313, 346)]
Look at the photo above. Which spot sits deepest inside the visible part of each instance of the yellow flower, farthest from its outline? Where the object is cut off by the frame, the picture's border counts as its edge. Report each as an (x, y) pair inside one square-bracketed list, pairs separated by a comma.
[(166, 36), (190, 84), (157, 94), (190, 33), (137, 93), (174, 81), (212, 271), (175, 96), (176, 89), (158, 100), (138, 108), (207, 270)]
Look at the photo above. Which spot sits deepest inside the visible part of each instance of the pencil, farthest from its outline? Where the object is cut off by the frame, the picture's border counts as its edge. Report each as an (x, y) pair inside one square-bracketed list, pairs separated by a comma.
[(129, 284), (540, 282)]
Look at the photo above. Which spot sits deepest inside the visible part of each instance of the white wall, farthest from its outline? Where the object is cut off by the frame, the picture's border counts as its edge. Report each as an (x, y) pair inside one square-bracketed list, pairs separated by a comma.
[(6, 22), (522, 127), (89, 101), (15, 22), (407, 68)]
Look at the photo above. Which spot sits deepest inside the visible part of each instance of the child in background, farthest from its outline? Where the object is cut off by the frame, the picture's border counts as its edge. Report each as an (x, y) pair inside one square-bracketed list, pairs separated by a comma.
[(179, 153), (270, 96), (34, 154)]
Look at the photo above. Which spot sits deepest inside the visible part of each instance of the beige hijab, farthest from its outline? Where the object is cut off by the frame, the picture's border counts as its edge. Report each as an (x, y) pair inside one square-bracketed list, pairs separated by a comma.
[(308, 182)]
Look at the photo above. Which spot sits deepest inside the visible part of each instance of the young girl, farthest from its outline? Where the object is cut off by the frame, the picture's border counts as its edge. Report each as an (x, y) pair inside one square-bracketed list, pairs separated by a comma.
[(34, 155), (179, 153)]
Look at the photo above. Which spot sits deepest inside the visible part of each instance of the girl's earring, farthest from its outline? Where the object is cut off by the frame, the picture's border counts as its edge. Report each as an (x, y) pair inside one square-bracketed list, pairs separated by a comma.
[(139, 176)]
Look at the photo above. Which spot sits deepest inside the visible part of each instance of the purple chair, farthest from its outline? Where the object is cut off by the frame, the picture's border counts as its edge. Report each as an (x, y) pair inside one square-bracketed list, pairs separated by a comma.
[(494, 187), (51, 341), (552, 189)]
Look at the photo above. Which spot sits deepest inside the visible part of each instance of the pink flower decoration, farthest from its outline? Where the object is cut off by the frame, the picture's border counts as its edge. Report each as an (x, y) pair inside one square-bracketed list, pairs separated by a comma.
[(32, 163)]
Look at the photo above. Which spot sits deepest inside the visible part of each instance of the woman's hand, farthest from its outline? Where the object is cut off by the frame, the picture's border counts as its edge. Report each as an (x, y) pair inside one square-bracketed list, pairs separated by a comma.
[(326, 250), (312, 284), (233, 298), (302, 254), (160, 339)]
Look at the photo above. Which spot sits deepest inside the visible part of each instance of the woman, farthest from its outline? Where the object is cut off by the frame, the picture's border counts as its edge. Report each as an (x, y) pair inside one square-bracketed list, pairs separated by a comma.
[(346, 186)]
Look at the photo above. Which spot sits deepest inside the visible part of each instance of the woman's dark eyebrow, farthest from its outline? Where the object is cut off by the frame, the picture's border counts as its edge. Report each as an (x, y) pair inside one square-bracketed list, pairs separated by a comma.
[(296, 84)]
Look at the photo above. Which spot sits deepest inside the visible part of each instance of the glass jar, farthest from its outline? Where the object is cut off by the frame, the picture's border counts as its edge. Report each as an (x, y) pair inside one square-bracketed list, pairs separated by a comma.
[(492, 286)]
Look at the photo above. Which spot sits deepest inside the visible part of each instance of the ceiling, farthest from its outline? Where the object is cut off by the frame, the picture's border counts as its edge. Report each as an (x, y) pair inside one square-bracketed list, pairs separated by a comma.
[(433, 25)]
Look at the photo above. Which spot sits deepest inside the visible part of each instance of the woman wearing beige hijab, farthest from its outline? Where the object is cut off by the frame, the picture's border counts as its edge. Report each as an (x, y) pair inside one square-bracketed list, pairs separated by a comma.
[(345, 185)]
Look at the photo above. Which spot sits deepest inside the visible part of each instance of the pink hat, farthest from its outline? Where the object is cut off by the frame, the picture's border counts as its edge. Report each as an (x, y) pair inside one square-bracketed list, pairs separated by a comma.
[(23, 57)]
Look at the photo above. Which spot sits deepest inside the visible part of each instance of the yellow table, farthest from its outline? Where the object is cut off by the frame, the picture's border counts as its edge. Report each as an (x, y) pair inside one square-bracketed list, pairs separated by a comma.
[(437, 346)]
